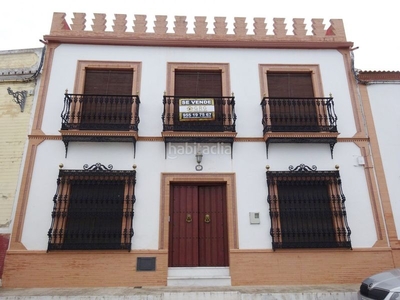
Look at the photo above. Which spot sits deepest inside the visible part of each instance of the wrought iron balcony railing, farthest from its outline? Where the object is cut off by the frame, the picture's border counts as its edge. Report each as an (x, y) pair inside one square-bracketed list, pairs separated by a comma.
[(298, 115), (100, 112), (202, 114)]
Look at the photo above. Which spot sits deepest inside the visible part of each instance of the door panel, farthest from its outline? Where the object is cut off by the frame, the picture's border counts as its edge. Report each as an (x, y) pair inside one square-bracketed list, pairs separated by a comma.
[(212, 226), (183, 226), (198, 226)]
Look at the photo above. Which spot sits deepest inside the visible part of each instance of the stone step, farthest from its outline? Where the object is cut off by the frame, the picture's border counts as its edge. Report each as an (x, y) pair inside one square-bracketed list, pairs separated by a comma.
[(198, 271), (199, 276)]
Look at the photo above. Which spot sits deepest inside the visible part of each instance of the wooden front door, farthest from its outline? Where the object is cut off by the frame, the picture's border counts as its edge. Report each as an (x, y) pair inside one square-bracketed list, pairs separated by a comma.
[(198, 226)]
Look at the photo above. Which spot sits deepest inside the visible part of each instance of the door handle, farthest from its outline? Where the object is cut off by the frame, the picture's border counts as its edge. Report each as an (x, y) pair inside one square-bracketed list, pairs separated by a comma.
[(207, 218), (188, 218)]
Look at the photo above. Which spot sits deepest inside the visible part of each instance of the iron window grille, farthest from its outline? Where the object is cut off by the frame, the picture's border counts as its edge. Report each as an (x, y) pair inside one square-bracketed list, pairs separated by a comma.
[(93, 209), (307, 209)]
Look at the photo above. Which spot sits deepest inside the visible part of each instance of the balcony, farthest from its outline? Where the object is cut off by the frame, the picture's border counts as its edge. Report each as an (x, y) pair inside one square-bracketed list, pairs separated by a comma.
[(299, 120), (100, 118), (199, 119)]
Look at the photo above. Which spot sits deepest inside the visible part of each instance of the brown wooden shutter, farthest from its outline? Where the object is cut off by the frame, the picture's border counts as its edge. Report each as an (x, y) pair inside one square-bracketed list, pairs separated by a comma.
[(290, 85), (108, 82), (292, 103), (198, 83)]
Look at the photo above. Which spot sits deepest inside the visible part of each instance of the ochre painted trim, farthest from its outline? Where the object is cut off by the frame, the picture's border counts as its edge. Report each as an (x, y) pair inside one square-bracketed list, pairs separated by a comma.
[(44, 83), (288, 135), (249, 139), (150, 139), (198, 134), (355, 98), (93, 133), (227, 43)]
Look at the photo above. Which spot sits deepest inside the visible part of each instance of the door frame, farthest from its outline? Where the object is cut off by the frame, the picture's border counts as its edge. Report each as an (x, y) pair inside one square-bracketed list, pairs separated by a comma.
[(229, 179)]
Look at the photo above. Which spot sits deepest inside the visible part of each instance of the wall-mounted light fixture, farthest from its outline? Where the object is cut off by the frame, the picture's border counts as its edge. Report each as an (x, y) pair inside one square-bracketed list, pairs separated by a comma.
[(19, 97), (199, 158)]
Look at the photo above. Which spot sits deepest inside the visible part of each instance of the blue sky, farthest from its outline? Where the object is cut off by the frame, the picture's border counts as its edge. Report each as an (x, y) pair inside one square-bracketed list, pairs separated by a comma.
[(371, 25)]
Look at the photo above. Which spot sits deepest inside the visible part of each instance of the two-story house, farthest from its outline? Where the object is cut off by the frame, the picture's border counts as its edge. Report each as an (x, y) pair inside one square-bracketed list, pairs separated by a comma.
[(166, 156)]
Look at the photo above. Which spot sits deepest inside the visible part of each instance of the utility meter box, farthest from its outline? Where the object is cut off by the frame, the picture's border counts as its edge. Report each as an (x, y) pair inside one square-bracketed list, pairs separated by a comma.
[(254, 218)]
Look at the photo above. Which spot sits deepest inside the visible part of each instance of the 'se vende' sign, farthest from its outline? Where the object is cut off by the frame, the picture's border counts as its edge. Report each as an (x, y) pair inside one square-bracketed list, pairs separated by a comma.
[(196, 109)]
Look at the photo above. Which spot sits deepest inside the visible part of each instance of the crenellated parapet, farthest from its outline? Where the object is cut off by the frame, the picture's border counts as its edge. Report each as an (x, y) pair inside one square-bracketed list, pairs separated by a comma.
[(139, 31)]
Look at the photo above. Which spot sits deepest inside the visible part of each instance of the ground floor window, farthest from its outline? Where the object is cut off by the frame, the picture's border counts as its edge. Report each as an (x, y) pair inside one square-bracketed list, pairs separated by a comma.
[(93, 209), (307, 209)]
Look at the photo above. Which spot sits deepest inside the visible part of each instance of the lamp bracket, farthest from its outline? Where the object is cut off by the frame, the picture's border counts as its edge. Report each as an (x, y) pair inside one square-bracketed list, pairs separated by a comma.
[(19, 97)]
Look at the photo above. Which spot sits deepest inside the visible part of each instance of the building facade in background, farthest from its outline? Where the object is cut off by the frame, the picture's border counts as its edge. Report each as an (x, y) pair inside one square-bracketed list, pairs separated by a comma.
[(178, 156), (19, 78)]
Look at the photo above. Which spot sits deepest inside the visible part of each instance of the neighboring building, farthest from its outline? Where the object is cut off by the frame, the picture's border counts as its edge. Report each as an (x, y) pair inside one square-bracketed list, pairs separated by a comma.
[(248, 163), (19, 74)]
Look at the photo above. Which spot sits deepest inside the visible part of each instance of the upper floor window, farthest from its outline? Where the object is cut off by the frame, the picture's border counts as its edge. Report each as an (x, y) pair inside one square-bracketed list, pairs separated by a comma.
[(198, 83), (293, 100), (290, 85), (198, 98), (108, 82), (93, 209), (307, 209), (105, 98)]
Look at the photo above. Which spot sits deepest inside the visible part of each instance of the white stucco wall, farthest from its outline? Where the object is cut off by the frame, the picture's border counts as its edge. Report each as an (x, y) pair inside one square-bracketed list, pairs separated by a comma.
[(249, 158), (385, 105)]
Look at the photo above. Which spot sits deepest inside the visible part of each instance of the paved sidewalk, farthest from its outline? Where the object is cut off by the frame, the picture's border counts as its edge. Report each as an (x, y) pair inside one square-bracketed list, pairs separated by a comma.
[(320, 292)]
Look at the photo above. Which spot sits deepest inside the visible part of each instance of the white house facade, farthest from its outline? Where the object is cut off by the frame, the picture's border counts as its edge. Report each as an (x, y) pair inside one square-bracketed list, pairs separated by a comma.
[(173, 158)]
